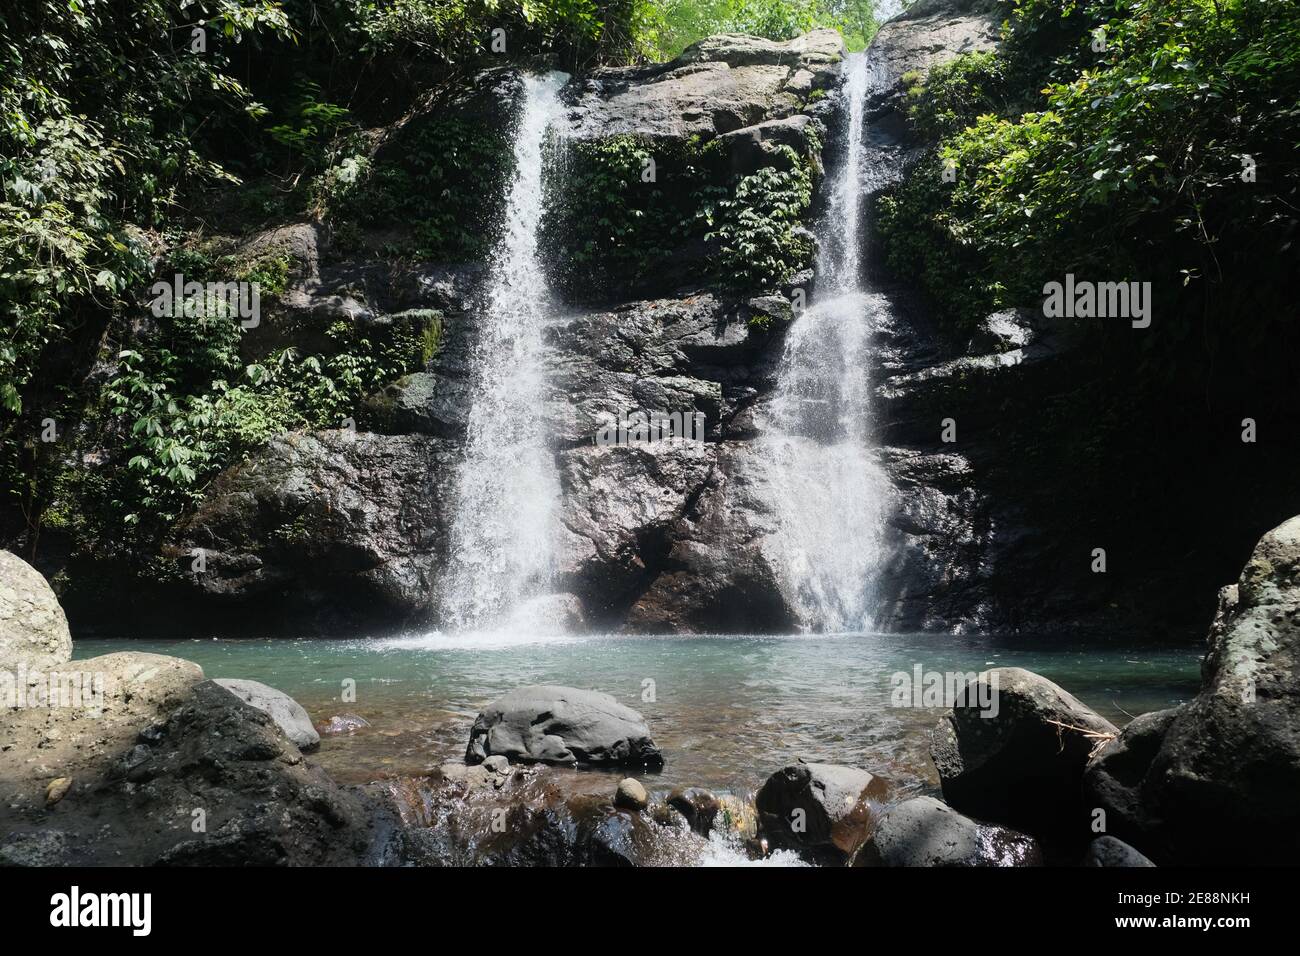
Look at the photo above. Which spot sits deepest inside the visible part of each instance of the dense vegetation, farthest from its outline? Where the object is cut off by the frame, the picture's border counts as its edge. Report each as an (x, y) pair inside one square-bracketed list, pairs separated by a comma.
[(137, 139), (1121, 139), (1127, 140)]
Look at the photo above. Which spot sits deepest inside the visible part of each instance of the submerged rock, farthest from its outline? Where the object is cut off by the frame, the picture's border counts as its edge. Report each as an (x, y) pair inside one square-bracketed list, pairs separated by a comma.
[(823, 810), (1020, 761), (341, 724), (562, 725), (33, 628), (698, 807), (1214, 781), (924, 831), (287, 713)]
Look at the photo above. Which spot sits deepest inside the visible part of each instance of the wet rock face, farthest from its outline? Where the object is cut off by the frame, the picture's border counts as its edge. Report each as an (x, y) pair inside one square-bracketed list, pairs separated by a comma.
[(564, 726), (1214, 781), (821, 810), (1020, 759), (217, 783), (718, 85), (525, 818), (321, 529), (33, 628), (924, 832), (926, 34)]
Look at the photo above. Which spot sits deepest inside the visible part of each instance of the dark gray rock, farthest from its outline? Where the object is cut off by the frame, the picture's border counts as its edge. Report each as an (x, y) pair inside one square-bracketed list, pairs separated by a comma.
[(824, 811), (220, 785), (1214, 780), (423, 402), (562, 725), (718, 85), (319, 531), (1108, 851), (698, 807), (1020, 762), (924, 831)]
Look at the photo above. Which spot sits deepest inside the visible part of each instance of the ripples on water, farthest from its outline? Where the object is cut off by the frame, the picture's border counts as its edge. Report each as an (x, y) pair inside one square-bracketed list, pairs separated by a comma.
[(726, 711)]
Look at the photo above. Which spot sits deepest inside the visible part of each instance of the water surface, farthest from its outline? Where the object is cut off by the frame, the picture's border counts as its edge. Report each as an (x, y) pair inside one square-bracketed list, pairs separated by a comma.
[(726, 711)]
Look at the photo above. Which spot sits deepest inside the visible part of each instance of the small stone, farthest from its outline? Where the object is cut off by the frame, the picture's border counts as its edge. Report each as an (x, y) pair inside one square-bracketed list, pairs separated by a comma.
[(57, 790), (497, 764), (630, 795)]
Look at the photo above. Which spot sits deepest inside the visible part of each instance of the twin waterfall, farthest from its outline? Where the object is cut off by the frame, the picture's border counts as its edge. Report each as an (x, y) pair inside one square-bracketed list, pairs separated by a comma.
[(506, 499), (821, 482)]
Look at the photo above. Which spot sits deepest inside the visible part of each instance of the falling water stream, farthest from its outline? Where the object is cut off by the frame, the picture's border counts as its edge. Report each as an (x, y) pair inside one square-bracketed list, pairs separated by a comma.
[(506, 493), (822, 482)]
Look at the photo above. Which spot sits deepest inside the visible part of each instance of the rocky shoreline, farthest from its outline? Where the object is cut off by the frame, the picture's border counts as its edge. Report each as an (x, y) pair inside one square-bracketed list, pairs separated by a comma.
[(161, 766)]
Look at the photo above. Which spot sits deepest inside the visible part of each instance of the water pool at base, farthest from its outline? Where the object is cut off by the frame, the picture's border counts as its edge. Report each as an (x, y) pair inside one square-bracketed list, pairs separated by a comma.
[(726, 711)]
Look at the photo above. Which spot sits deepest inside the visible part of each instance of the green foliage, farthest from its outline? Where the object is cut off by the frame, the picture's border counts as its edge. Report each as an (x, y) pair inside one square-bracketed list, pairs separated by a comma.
[(612, 226), (758, 229), (99, 104), (442, 178), (1129, 167), (184, 405), (955, 93), (666, 27)]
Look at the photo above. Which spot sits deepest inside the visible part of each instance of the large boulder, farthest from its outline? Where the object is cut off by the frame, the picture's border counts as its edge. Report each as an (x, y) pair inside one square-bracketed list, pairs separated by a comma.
[(824, 811), (320, 531), (1215, 780), (105, 703), (924, 831), (33, 628), (217, 784), (1020, 761), (562, 725), (718, 85), (287, 713)]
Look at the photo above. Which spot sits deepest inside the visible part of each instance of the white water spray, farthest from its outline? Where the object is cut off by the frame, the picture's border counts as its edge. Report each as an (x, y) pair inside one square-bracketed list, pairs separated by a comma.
[(821, 480), (506, 498)]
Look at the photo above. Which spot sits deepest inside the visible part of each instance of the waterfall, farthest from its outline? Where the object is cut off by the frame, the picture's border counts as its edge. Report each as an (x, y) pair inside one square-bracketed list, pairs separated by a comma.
[(821, 481), (506, 494)]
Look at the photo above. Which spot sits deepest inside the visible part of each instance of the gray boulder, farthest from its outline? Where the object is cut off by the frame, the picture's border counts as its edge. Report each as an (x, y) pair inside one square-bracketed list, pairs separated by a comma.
[(562, 725), (1109, 851), (1021, 761), (33, 628), (824, 811), (1215, 780), (322, 530), (719, 84), (262, 804), (924, 831), (279, 706)]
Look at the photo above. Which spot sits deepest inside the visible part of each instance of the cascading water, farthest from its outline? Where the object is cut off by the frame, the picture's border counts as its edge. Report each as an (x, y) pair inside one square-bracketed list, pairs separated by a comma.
[(827, 493), (506, 496)]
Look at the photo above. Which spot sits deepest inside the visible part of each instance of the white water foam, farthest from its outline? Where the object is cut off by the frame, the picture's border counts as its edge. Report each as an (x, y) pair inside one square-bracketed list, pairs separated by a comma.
[(821, 480), (506, 495)]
